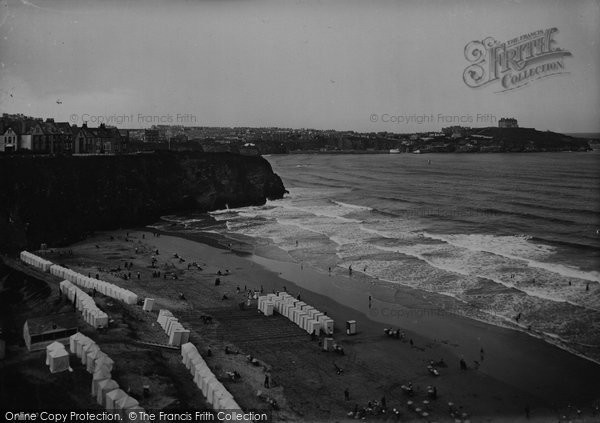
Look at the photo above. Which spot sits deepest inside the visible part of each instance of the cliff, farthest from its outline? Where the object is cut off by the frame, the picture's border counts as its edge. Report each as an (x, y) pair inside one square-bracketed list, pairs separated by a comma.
[(57, 200)]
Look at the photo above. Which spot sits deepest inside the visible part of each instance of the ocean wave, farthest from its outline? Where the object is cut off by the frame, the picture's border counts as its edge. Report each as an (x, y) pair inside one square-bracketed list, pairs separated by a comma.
[(351, 206), (516, 248)]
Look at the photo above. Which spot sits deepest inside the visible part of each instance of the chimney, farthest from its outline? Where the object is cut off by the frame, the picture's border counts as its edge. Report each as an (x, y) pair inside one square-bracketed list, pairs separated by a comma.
[(84, 124)]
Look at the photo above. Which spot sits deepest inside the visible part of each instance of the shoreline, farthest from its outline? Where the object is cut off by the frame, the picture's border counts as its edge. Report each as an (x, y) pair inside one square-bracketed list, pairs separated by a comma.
[(305, 382), (431, 320), (246, 244)]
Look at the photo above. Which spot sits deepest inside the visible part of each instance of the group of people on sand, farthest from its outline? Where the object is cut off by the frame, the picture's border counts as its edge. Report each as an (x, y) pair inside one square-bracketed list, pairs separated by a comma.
[(372, 408)]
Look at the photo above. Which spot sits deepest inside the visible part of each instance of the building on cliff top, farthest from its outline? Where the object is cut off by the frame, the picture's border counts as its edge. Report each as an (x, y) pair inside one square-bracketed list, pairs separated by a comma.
[(508, 123)]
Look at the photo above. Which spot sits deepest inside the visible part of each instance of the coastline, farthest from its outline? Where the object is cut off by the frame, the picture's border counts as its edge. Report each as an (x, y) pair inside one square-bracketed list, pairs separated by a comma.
[(518, 371), (270, 256), (524, 359)]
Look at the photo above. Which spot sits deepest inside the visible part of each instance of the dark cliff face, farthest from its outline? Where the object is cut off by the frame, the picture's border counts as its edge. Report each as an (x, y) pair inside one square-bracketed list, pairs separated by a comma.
[(58, 200)]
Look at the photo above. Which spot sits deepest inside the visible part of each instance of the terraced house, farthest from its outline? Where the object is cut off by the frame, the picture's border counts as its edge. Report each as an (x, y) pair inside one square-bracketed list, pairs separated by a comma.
[(18, 132), (101, 140)]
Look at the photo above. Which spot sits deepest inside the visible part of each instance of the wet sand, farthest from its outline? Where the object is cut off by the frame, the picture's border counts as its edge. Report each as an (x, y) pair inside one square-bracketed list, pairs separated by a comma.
[(517, 371)]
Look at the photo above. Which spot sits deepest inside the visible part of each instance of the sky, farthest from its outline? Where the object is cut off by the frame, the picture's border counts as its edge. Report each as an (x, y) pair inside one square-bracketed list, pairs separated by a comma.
[(374, 65)]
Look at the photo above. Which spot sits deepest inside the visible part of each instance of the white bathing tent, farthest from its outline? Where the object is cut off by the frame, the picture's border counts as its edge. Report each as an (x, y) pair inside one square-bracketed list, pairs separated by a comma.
[(51, 347), (73, 341), (103, 360), (91, 355), (82, 344), (104, 387), (99, 375), (113, 397), (125, 404), (59, 361), (148, 304)]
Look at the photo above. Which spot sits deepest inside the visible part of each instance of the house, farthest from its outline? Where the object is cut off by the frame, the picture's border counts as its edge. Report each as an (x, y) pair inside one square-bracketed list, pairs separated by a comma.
[(39, 138), (108, 140), (9, 140), (42, 331), (101, 140), (66, 133), (83, 140)]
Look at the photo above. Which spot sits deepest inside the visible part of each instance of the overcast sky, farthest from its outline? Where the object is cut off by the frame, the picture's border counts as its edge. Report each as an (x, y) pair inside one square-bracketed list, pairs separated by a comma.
[(304, 64)]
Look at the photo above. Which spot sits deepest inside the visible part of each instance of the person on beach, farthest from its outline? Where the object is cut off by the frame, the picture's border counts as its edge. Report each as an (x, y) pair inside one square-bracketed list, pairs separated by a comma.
[(266, 381), (346, 394), (369, 301), (350, 270)]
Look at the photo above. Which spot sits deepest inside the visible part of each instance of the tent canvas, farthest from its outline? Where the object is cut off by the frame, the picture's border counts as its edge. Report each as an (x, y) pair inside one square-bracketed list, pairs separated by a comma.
[(52, 347), (99, 375), (112, 397), (89, 348), (105, 387), (73, 341), (206, 383), (82, 344), (126, 403), (106, 361), (59, 361), (90, 362), (148, 304)]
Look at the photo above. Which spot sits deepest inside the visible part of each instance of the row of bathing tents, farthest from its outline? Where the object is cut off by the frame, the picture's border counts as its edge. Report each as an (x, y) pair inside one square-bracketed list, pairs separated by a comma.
[(85, 304), (213, 390), (302, 314), (105, 389), (106, 288), (175, 331), (35, 261)]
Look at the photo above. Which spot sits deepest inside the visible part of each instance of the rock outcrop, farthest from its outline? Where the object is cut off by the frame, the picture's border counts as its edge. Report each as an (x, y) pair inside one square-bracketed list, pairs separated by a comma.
[(58, 200)]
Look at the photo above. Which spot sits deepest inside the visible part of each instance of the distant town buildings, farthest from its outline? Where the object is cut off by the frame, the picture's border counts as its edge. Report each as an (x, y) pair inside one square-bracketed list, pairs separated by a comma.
[(456, 131), (19, 132), (508, 123)]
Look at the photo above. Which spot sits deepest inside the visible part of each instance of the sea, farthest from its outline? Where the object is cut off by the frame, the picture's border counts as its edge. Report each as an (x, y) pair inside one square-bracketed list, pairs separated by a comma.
[(513, 239)]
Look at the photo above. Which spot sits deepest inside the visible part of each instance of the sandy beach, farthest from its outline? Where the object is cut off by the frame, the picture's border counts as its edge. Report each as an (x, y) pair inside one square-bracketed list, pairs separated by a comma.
[(508, 372)]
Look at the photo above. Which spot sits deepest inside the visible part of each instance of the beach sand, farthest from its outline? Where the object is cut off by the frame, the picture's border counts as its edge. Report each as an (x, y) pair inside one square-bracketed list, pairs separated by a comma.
[(517, 371)]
